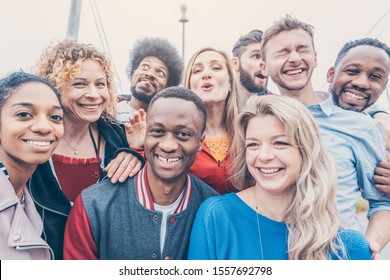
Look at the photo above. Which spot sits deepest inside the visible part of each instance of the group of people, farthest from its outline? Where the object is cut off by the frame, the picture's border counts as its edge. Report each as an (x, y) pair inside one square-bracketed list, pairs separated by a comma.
[(197, 163)]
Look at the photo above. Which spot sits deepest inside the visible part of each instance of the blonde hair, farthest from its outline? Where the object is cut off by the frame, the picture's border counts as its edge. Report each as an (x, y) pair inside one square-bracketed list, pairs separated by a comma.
[(312, 218), (62, 60), (232, 100)]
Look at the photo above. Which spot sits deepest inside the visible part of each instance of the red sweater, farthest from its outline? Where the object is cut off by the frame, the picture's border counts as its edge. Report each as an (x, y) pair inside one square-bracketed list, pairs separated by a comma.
[(212, 172)]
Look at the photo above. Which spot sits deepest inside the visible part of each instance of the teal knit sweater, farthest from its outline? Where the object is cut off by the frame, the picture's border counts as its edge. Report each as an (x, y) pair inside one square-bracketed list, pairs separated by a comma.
[(226, 228)]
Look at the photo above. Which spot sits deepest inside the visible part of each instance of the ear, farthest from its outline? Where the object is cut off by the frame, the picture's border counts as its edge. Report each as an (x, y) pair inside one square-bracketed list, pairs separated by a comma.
[(315, 59), (236, 63), (202, 139), (330, 75)]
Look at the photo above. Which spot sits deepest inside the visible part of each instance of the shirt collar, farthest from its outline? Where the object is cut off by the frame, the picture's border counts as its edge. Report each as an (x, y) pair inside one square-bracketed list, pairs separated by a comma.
[(145, 197), (326, 105), (2, 167)]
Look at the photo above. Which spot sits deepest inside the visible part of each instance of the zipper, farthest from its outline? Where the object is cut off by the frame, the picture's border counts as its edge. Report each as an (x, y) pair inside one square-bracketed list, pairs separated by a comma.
[(44, 207)]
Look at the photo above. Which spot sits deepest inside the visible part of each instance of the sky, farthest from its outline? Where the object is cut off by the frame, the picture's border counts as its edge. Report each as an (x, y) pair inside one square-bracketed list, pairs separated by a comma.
[(28, 26)]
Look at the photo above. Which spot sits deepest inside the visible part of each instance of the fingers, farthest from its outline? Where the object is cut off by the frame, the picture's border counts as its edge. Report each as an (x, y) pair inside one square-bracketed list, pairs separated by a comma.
[(382, 177), (123, 166), (374, 247), (142, 114)]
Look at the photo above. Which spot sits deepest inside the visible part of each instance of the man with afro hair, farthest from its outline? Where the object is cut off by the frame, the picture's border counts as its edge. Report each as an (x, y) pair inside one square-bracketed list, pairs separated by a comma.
[(154, 65)]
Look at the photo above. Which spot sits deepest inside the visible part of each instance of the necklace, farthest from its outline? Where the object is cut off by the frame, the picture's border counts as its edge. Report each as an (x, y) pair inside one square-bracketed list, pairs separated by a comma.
[(259, 232), (76, 149)]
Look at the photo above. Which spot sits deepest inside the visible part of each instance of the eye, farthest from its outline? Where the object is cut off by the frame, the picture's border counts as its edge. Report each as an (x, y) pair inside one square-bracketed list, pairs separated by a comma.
[(303, 49), (281, 144), (24, 115), (57, 118), (216, 67), (161, 74), (251, 146), (183, 135), (79, 84), (256, 56), (196, 70), (351, 71), (376, 77), (101, 84), (156, 132), (144, 66)]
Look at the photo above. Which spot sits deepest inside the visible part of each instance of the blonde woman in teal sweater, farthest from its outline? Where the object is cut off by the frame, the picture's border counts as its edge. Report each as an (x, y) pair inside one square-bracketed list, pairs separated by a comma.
[(286, 208)]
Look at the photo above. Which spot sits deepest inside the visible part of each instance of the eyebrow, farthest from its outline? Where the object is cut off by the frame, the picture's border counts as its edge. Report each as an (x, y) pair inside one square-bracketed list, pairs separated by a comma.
[(360, 65), (27, 104), (85, 79), (273, 137), (212, 61), (150, 62)]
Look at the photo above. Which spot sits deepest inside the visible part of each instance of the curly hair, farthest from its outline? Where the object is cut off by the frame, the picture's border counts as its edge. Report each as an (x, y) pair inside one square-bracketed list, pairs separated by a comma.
[(312, 218), (163, 50), (62, 60)]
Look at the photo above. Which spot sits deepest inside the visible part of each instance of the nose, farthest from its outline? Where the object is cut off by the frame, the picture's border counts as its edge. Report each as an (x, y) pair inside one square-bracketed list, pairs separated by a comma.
[(151, 73), (263, 69), (361, 81), (42, 125), (168, 143), (92, 92), (206, 73), (266, 153), (294, 56)]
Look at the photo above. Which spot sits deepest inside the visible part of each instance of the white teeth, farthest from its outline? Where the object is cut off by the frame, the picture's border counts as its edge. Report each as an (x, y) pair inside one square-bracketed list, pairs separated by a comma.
[(294, 72), (38, 143), (269, 170), (353, 96), (168, 160), (90, 107)]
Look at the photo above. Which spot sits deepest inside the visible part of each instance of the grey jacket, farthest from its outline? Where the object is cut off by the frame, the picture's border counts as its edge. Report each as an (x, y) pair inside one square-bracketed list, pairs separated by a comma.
[(20, 229), (123, 229)]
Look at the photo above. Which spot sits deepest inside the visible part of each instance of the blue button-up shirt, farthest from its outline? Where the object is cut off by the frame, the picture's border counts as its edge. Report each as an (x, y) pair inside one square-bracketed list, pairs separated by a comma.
[(356, 144)]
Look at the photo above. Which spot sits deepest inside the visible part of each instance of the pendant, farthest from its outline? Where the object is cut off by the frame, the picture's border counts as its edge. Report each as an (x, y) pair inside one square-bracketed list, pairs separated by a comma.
[(76, 152)]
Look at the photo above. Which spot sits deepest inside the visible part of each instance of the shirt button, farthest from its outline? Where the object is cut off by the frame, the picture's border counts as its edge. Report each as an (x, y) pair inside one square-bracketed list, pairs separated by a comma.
[(17, 238), (172, 220), (167, 258), (154, 255)]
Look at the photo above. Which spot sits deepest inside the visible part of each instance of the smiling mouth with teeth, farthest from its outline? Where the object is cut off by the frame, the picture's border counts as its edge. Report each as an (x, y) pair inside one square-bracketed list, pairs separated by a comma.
[(353, 96), (294, 72), (269, 170), (168, 160), (90, 107), (38, 143)]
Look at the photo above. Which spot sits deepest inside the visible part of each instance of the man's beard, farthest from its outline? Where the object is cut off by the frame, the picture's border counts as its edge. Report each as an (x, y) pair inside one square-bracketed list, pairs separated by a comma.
[(247, 82), (141, 96)]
